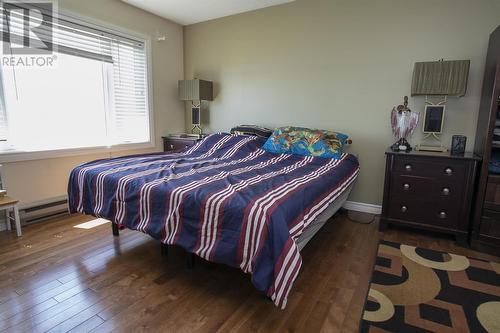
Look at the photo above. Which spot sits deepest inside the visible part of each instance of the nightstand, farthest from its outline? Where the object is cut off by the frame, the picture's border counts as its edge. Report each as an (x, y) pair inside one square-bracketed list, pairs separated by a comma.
[(178, 143), (429, 190)]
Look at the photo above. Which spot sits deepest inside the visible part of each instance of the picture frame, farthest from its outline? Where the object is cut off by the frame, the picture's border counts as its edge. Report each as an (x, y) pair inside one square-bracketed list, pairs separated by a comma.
[(433, 119), (458, 144)]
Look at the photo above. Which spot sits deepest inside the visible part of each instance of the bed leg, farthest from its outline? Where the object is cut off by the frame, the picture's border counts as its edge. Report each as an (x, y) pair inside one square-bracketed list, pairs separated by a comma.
[(164, 250), (382, 225), (116, 231), (342, 211), (190, 260)]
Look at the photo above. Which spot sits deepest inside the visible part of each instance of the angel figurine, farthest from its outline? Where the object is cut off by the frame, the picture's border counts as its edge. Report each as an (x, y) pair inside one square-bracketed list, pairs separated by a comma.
[(403, 123)]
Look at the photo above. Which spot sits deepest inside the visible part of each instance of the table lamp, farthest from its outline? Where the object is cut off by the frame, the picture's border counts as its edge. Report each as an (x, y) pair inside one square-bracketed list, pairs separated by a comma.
[(196, 91)]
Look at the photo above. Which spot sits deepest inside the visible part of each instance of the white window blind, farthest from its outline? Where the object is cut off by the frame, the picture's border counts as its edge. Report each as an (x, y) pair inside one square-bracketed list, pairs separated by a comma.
[(3, 117), (64, 35), (130, 92), (106, 90)]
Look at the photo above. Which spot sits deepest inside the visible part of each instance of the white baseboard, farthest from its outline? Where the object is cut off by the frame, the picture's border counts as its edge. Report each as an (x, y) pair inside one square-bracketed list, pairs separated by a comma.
[(363, 207)]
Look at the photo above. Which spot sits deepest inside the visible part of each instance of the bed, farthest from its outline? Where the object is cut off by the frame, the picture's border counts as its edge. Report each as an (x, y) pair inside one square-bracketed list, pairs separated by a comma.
[(225, 199)]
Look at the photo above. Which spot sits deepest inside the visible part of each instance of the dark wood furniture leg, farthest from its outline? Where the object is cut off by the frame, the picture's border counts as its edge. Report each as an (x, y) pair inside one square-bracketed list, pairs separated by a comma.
[(341, 211), (164, 250), (116, 231), (190, 260), (462, 239), (382, 225)]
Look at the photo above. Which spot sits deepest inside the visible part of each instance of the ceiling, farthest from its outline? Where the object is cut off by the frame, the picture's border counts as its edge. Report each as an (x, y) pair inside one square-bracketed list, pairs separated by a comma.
[(187, 12)]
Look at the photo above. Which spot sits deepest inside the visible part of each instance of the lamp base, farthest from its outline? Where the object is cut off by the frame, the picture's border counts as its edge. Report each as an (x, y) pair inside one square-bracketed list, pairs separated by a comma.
[(197, 128), (401, 145)]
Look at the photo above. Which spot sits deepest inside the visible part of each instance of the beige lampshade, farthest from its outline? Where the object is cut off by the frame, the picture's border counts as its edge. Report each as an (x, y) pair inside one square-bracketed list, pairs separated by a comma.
[(440, 78), (195, 90)]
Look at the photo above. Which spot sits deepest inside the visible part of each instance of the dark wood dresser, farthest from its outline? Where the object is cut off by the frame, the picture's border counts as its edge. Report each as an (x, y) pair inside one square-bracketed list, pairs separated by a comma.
[(429, 190), (174, 144)]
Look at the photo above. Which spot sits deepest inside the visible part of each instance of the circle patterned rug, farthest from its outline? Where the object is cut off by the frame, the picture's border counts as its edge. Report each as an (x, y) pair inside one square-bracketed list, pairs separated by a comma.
[(421, 290)]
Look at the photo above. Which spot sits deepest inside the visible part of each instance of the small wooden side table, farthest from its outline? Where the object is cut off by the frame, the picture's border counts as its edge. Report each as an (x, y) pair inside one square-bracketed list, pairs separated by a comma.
[(175, 144), (8, 204)]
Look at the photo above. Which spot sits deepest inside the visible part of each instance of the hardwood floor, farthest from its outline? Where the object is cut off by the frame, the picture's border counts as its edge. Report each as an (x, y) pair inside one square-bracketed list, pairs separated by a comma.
[(57, 278)]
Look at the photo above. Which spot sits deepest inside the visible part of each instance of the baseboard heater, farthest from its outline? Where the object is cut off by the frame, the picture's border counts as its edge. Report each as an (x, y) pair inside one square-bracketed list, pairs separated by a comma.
[(44, 211)]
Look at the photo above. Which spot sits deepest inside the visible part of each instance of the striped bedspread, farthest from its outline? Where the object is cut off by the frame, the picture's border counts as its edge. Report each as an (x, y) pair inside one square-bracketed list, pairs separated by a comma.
[(225, 199)]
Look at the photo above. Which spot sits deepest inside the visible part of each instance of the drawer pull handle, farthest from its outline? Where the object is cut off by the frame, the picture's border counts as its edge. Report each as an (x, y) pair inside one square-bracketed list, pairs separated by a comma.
[(442, 215), (408, 167), (404, 209), (446, 191), (448, 171), (171, 146), (406, 187)]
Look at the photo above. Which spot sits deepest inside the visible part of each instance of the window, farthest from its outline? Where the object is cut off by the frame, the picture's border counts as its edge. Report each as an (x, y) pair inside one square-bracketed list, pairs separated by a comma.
[(95, 93)]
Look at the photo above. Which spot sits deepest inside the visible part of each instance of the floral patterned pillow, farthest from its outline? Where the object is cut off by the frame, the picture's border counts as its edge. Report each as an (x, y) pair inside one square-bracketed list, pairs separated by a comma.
[(306, 142)]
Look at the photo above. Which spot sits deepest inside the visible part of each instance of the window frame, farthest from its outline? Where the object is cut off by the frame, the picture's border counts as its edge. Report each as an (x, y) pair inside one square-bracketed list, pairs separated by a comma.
[(17, 156)]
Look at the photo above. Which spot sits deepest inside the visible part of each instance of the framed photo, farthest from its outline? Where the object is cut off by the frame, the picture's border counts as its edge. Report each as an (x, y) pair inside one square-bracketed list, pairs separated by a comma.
[(458, 144), (433, 119)]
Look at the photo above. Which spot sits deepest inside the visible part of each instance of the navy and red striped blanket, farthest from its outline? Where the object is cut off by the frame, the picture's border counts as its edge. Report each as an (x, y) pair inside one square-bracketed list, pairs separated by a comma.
[(225, 199)]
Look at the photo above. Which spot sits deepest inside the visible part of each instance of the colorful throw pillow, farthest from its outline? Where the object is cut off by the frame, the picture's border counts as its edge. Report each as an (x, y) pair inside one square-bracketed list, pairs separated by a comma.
[(306, 142)]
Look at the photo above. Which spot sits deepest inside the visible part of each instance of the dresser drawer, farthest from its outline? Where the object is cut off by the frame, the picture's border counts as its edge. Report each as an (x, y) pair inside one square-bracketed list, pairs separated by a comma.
[(176, 145), (424, 211), (407, 209), (439, 168), (446, 189), (411, 186), (444, 213), (426, 187)]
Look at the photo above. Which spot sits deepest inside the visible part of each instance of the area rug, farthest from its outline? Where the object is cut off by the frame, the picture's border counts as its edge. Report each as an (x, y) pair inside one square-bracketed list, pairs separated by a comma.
[(420, 290)]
